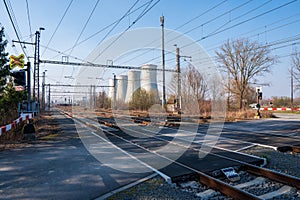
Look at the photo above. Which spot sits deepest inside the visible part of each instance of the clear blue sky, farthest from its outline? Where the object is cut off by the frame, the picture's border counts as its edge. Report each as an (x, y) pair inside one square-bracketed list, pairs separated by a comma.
[(266, 21)]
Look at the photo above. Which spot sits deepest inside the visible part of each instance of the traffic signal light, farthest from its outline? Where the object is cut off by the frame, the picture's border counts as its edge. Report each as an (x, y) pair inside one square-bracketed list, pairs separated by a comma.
[(260, 95), (19, 78)]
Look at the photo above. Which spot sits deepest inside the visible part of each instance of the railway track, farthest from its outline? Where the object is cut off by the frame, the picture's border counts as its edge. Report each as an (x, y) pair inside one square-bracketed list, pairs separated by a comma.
[(175, 122), (261, 184)]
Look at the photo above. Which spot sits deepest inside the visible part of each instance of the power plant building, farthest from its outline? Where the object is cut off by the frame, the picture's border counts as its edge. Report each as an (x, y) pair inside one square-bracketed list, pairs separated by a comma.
[(149, 79), (134, 83), (126, 85), (121, 87)]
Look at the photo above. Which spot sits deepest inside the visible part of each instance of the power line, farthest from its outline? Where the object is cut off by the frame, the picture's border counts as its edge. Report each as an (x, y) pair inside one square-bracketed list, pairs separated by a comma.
[(117, 22), (274, 44), (58, 25), (119, 36), (14, 27), (136, 20), (82, 30), (200, 15), (293, 40), (244, 14), (96, 33), (29, 21), (14, 19), (182, 25), (240, 23), (267, 30), (217, 17), (207, 22), (235, 25), (85, 25)]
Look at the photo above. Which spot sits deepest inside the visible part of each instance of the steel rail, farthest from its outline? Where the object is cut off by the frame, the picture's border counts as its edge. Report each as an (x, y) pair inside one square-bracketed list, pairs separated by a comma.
[(270, 174), (219, 185), (209, 181)]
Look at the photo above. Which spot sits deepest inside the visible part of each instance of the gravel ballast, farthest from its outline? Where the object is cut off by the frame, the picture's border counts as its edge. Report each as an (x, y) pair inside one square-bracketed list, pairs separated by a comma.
[(157, 188)]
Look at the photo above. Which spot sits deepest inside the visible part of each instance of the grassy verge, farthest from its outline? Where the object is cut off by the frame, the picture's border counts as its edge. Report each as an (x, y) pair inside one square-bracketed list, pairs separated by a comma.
[(45, 126)]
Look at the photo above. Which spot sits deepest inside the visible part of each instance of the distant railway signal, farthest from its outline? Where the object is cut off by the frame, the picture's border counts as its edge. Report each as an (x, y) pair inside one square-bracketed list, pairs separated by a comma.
[(259, 92), (19, 78), (259, 97)]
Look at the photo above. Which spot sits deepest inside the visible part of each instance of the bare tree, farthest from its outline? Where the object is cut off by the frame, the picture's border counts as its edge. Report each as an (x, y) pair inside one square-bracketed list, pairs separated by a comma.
[(295, 73), (243, 60), (295, 69), (194, 90)]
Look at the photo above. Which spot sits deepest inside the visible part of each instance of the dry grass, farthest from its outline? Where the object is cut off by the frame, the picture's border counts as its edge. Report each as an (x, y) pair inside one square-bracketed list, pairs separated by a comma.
[(46, 128), (246, 115)]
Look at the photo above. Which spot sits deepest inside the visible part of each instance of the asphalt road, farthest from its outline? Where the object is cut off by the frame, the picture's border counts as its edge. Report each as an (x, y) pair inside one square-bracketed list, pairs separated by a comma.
[(58, 169), (274, 132)]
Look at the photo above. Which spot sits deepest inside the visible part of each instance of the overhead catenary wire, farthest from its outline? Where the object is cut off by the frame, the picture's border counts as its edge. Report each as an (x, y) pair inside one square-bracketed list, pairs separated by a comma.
[(14, 27), (201, 14), (136, 20), (83, 29), (117, 22), (213, 33), (217, 17), (272, 45), (243, 14), (14, 19), (184, 24), (96, 33), (57, 27), (247, 20), (205, 23), (29, 20), (85, 25), (260, 33), (293, 40), (139, 17)]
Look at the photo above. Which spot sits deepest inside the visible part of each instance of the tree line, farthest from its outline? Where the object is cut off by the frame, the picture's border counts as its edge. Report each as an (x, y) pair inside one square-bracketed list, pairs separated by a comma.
[(9, 98), (242, 62)]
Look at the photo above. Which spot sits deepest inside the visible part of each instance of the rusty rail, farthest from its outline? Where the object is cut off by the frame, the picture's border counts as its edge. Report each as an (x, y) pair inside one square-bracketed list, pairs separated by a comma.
[(225, 188), (273, 175)]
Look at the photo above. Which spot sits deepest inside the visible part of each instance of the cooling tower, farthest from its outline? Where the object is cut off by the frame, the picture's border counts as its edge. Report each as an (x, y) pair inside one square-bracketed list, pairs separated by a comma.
[(133, 83), (111, 88), (149, 78), (121, 87)]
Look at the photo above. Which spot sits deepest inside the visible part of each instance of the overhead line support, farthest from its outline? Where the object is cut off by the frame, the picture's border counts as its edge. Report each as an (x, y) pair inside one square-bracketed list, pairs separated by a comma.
[(99, 65)]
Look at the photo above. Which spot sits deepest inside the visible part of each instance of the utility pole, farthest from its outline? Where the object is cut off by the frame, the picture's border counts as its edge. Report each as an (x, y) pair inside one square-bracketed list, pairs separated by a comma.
[(28, 88), (115, 92), (292, 86), (36, 70), (43, 90), (36, 79), (37, 35), (49, 93), (228, 95), (162, 21), (178, 88), (178, 71), (93, 97)]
